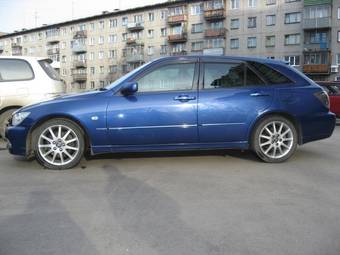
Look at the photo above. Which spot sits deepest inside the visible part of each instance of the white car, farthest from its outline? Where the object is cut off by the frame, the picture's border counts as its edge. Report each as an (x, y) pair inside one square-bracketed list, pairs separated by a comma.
[(24, 81)]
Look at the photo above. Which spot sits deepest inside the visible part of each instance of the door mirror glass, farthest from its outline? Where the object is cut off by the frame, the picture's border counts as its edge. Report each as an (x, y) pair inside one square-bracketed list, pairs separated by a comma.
[(129, 88)]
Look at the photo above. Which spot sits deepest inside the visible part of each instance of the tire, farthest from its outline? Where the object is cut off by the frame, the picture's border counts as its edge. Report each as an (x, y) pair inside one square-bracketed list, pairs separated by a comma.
[(4, 118), (274, 139), (58, 144)]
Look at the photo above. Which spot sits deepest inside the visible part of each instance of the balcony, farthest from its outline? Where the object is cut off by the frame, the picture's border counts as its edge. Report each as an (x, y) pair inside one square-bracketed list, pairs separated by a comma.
[(16, 45), (177, 19), (134, 41), (79, 48), (53, 51), (80, 34), (316, 23), (177, 38), (135, 26), (53, 39), (323, 46), (79, 77), (214, 14), (79, 64), (215, 32), (135, 58), (178, 53), (316, 69)]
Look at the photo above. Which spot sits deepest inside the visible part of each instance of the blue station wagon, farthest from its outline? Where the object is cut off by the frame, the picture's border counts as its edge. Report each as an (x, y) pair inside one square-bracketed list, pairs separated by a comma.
[(179, 103)]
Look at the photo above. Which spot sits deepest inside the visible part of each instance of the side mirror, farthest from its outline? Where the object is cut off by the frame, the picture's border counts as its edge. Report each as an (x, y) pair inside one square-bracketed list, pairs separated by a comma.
[(129, 88)]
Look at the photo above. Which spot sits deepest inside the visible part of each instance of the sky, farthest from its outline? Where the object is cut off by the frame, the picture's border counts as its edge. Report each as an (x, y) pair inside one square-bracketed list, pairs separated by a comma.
[(18, 14)]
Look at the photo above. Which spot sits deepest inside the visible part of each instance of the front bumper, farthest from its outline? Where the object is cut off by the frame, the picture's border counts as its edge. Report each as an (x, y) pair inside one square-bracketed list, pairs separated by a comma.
[(16, 140)]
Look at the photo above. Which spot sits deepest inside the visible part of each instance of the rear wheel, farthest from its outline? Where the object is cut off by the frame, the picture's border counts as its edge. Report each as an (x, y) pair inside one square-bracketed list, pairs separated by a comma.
[(275, 139), (4, 119), (58, 144)]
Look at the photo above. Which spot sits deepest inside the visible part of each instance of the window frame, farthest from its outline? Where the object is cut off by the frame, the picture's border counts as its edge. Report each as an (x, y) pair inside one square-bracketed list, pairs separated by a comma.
[(230, 61), (160, 65), (16, 80)]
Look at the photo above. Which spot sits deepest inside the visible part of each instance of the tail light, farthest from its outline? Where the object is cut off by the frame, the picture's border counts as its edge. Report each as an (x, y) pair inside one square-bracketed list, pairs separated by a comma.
[(323, 97)]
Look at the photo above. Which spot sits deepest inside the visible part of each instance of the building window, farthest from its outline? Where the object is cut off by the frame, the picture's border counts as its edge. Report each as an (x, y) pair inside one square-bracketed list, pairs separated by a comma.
[(251, 22), (234, 43), (101, 40), (100, 54), (251, 42), (151, 50), (113, 69), (150, 33), (197, 9), (102, 84), (317, 37), (252, 3), (125, 21), (113, 23), (338, 12), (92, 41), (101, 24), (215, 43), (101, 69), (112, 54), (138, 18), (234, 4), (234, 23), (164, 49), (271, 2), (164, 14), (92, 56), (92, 70), (270, 41), (124, 37), (197, 28), (151, 16), (338, 36), (92, 84), (163, 32), (294, 17), (112, 38), (337, 59), (92, 26), (293, 60), (319, 11), (291, 1), (292, 39), (270, 20), (197, 46)]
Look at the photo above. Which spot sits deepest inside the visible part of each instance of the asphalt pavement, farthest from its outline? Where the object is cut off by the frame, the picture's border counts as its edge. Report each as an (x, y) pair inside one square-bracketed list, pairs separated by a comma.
[(192, 203)]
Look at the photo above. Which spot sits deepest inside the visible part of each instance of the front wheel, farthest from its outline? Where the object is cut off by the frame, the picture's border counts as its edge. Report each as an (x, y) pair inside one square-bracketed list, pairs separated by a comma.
[(275, 139), (58, 144)]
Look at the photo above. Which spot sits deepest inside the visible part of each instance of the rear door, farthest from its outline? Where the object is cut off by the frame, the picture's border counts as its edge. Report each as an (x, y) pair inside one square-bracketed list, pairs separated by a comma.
[(231, 97)]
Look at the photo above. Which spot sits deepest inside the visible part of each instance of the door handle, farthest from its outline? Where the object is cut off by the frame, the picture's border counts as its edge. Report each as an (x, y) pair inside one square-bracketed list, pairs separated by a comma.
[(259, 94), (184, 98)]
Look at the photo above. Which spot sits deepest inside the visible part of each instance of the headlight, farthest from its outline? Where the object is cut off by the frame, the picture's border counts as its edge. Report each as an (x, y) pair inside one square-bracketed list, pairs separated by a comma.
[(19, 117)]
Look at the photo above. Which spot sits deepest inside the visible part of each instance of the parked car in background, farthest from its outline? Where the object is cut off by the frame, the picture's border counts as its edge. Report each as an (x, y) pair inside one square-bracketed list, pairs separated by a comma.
[(179, 103), (24, 81), (333, 90)]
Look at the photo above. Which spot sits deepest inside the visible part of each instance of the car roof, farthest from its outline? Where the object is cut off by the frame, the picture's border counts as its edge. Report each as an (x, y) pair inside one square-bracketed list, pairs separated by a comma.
[(232, 58)]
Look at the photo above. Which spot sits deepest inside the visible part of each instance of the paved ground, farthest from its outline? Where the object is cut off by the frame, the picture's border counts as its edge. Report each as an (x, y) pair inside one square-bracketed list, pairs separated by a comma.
[(175, 205)]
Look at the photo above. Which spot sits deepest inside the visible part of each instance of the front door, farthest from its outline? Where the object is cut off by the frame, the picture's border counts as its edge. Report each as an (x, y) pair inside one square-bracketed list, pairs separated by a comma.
[(162, 112)]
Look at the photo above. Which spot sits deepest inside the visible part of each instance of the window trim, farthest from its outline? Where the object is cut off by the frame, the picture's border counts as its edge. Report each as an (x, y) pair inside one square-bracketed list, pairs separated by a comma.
[(28, 63), (159, 65)]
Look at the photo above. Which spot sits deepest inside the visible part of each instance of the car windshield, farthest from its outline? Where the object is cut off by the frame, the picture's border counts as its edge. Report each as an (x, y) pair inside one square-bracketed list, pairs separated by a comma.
[(125, 77)]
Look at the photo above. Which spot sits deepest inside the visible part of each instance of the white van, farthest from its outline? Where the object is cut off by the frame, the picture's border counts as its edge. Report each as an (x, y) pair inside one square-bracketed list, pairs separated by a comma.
[(24, 81)]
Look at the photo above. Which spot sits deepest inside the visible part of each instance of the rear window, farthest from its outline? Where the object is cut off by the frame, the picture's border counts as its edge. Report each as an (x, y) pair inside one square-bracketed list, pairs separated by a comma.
[(271, 75), (15, 70), (49, 70)]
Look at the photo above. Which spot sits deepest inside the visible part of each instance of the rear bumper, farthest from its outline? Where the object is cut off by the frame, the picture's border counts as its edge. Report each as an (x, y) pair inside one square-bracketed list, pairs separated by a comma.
[(318, 127), (16, 140)]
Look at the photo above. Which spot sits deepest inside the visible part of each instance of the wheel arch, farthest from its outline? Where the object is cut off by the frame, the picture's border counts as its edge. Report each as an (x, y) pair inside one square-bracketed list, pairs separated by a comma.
[(29, 145), (9, 108), (286, 115)]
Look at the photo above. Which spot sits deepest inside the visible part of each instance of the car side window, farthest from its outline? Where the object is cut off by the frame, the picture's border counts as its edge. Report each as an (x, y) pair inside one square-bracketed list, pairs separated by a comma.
[(15, 70), (169, 77), (271, 75), (252, 79), (223, 75)]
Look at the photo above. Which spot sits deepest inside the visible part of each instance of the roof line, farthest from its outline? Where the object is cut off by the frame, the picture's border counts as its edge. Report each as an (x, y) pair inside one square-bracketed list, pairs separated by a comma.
[(99, 16)]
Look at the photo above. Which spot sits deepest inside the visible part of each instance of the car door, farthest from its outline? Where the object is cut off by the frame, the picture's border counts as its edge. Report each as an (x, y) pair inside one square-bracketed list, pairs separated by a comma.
[(231, 97), (162, 112)]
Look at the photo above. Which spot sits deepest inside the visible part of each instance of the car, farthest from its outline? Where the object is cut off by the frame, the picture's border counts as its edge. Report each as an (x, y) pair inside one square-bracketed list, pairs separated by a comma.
[(23, 81), (333, 90), (179, 103)]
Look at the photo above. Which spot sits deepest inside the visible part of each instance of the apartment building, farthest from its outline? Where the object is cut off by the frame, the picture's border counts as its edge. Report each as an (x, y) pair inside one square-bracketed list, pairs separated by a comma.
[(92, 52)]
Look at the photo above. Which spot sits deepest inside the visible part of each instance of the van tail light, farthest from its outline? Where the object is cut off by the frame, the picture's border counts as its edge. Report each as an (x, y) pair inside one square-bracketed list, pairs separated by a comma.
[(323, 97)]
